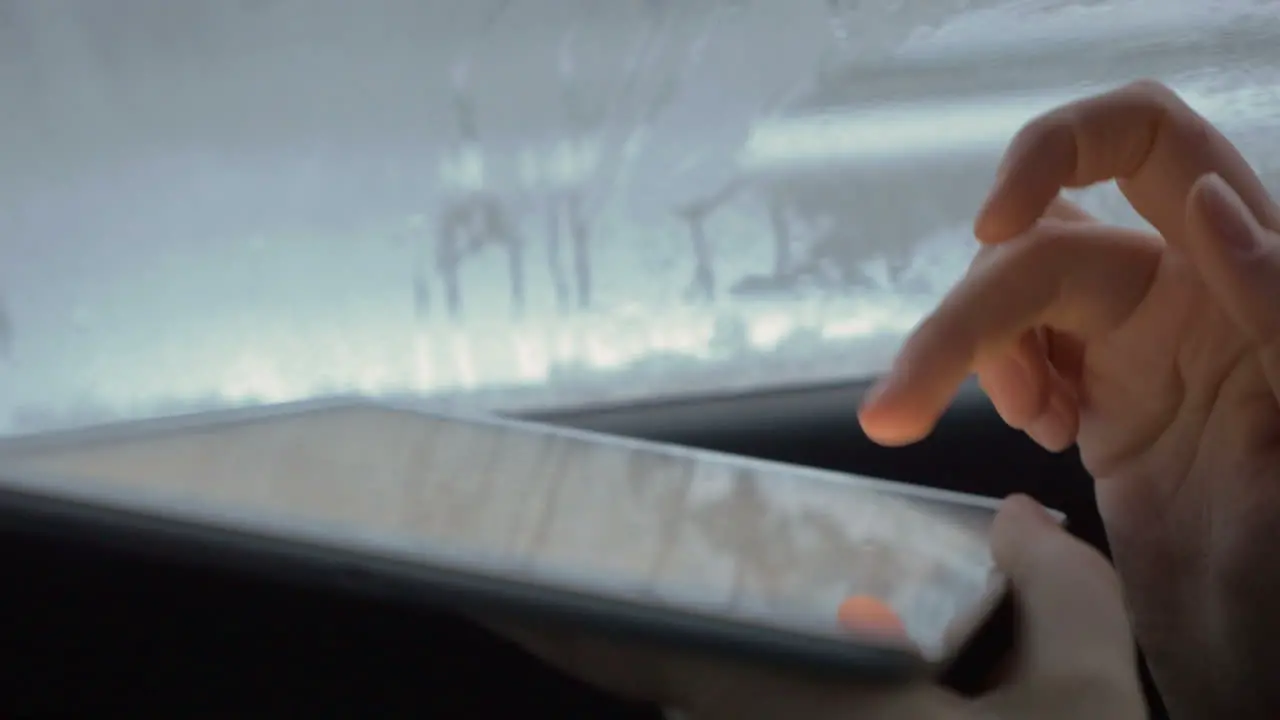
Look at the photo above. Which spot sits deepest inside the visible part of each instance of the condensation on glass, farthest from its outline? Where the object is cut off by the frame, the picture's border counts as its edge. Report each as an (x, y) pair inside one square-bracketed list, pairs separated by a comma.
[(526, 203)]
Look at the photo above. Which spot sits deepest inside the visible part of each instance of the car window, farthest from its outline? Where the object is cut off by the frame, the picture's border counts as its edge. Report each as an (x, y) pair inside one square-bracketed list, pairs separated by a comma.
[(529, 203)]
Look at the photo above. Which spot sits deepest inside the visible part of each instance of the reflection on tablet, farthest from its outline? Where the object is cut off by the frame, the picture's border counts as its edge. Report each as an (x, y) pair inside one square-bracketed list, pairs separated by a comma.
[(812, 551)]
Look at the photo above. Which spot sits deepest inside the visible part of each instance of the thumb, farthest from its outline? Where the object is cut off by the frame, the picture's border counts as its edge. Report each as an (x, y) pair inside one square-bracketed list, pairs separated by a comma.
[(1072, 620), (1239, 260)]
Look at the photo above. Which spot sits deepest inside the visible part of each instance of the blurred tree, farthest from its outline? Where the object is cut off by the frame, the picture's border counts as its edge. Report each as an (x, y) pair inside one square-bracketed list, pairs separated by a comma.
[(473, 216), (754, 535)]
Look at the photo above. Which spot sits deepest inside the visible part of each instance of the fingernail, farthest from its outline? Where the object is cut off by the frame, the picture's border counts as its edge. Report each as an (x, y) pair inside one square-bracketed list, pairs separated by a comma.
[(1006, 161), (1228, 216), (1050, 430), (886, 386), (982, 220), (1020, 521), (1025, 509), (877, 391)]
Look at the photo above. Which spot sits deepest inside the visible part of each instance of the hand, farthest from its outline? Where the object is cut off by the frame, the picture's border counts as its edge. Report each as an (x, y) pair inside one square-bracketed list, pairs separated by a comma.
[(1159, 354), (1075, 656)]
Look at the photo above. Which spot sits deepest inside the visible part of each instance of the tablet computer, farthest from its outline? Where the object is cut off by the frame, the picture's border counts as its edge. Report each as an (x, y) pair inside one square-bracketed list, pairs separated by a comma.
[(696, 550)]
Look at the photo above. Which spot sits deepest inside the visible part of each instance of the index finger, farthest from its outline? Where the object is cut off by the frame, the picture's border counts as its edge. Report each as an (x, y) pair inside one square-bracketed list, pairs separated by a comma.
[(1079, 278), (1142, 135)]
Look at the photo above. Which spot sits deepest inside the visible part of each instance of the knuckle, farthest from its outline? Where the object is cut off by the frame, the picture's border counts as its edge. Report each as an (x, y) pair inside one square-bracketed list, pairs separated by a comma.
[(1013, 268), (1045, 243), (1194, 134), (1044, 130), (1152, 91), (1172, 112)]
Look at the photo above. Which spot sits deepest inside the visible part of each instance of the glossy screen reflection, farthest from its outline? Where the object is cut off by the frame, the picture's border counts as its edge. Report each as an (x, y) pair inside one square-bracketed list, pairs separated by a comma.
[(715, 534)]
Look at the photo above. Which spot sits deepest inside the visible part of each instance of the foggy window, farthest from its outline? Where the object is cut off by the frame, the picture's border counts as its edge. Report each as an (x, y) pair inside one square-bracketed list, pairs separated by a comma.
[(530, 202)]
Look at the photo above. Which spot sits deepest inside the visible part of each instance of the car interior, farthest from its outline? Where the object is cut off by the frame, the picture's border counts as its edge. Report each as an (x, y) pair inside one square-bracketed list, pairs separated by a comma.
[(615, 216), (96, 630)]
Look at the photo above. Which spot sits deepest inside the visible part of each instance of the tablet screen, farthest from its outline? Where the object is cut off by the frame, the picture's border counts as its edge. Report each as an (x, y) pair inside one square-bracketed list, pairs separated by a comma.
[(805, 550)]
